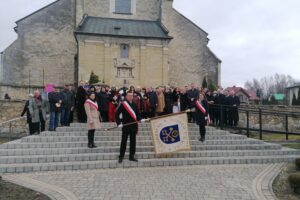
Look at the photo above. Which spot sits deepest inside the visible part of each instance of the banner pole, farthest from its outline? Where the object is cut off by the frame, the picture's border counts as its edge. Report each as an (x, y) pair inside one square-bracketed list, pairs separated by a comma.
[(158, 117)]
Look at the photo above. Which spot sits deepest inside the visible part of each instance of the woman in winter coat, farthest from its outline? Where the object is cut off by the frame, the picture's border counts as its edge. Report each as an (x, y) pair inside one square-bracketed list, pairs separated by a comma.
[(160, 102), (201, 115), (38, 109), (93, 122)]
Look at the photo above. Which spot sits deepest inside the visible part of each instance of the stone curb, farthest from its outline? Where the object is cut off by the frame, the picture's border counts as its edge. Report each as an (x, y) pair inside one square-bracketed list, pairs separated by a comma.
[(262, 184)]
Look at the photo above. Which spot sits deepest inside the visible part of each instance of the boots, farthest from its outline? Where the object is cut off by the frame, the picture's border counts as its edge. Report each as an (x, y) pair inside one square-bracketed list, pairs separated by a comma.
[(90, 140)]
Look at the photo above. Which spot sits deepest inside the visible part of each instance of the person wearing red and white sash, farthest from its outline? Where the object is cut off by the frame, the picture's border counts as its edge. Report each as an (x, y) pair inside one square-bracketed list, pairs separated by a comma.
[(93, 122), (129, 112), (201, 115)]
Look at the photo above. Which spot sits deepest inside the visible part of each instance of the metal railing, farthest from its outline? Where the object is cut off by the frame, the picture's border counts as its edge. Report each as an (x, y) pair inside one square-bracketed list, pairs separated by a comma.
[(10, 122), (259, 112)]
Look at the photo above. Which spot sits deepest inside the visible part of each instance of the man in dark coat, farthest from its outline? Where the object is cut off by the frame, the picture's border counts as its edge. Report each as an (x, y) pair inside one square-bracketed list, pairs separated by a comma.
[(55, 101), (130, 114), (168, 101), (67, 105), (103, 101), (153, 101), (193, 95), (231, 110), (183, 100), (80, 99), (201, 115)]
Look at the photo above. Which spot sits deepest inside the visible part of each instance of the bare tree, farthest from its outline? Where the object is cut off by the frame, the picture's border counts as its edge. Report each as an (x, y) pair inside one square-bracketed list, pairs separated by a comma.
[(269, 85)]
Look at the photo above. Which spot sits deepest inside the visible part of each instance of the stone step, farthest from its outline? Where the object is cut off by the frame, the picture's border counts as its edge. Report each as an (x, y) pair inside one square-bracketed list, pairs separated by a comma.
[(103, 164), (118, 133), (33, 139), (113, 149), (68, 129), (113, 124), (117, 143), (141, 155)]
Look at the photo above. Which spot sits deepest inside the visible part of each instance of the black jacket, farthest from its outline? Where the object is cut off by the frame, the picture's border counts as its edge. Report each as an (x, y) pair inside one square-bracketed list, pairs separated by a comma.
[(192, 94), (103, 101), (126, 117), (68, 100), (200, 116), (26, 110), (54, 98), (153, 99)]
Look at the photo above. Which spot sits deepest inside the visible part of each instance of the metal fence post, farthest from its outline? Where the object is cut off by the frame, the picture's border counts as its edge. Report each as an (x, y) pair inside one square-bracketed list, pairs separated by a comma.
[(260, 124), (221, 116), (287, 126), (10, 131), (247, 114)]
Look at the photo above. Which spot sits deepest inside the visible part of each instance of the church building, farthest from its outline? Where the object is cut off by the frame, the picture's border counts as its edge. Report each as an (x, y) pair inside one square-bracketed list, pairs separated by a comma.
[(124, 42)]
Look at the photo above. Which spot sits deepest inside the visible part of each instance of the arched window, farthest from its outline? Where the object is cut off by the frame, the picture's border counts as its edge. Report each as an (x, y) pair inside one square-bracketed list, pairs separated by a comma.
[(123, 6), (124, 51)]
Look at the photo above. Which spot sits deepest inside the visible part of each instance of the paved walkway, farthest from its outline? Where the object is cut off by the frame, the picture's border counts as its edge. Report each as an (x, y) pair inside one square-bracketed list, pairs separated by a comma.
[(242, 182)]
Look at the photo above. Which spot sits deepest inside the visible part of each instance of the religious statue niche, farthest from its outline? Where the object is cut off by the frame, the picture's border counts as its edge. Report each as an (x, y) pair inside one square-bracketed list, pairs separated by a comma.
[(124, 67)]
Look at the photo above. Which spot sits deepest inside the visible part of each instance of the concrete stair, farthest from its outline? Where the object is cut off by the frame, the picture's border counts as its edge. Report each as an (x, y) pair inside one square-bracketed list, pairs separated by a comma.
[(66, 149)]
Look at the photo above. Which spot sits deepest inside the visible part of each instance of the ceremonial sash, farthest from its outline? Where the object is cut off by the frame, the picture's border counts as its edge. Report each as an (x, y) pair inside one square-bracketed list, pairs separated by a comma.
[(129, 110), (200, 107), (91, 103)]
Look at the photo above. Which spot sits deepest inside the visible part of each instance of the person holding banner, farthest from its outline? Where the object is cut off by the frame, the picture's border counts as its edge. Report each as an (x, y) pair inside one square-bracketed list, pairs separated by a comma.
[(130, 117), (201, 115), (93, 121)]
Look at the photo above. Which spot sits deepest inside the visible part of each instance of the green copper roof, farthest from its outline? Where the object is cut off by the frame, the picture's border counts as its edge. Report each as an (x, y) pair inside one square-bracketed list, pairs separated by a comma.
[(122, 28)]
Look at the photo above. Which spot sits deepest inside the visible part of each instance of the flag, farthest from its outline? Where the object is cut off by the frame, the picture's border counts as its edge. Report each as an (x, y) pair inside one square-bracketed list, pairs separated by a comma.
[(170, 134)]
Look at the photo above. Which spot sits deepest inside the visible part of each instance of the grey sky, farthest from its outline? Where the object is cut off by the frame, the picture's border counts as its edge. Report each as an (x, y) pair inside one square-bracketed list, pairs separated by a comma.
[(253, 38)]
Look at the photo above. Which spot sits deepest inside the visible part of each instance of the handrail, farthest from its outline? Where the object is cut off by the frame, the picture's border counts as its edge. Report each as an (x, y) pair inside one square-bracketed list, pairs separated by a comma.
[(12, 120)]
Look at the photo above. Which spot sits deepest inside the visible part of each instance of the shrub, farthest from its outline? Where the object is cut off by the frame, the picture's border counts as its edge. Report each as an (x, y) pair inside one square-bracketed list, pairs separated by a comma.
[(294, 180)]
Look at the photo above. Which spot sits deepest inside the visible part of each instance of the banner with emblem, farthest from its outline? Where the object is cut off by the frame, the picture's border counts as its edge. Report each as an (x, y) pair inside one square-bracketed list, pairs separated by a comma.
[(170, 133)]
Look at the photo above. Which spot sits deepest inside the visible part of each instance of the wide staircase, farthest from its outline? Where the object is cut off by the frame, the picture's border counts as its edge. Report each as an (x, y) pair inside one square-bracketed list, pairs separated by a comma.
[(66, 149)]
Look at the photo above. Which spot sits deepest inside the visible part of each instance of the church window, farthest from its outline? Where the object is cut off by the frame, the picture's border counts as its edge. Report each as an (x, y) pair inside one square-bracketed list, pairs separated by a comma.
[(124, 51), (123, 6)]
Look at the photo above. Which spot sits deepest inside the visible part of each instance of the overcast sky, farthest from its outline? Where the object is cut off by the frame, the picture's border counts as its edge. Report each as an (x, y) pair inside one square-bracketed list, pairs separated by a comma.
[(253, 38)]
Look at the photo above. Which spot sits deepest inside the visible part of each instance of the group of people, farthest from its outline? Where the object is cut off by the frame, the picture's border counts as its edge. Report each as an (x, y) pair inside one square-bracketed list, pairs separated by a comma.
[(151, 102), (96, 104), (58, 106)]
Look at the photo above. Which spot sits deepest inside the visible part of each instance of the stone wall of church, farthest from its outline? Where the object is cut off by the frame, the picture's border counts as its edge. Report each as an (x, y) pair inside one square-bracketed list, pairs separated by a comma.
[(147, 63), (45, 45), (190, 58), (142, 9)]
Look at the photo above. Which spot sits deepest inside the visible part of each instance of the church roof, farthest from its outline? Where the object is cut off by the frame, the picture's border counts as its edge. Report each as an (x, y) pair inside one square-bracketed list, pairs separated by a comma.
[(122, 28)]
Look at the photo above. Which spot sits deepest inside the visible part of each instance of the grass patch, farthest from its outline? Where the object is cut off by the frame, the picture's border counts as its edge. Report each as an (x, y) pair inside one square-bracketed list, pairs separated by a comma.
[(3, 140), (10, 191), (274, 137), (293, 146)]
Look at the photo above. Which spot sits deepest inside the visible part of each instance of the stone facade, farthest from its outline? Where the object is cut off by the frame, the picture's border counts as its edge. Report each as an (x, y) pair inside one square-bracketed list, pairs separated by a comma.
[(45, 45), (46, 49), (102, 56)]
